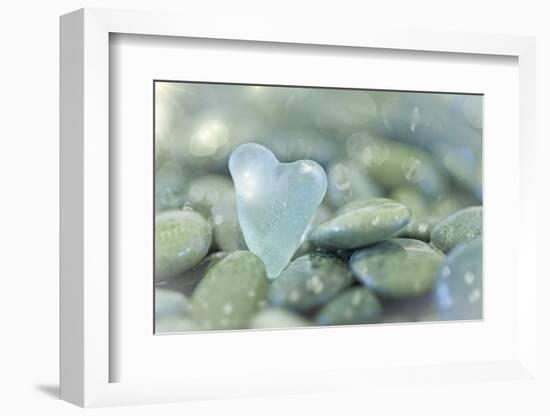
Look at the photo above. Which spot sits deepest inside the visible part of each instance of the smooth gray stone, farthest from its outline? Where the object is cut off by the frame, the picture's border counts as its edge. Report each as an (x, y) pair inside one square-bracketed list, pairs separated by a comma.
[(233, 290), (187, 282), (170, 304), (457, 228), (397, 268), (418, 309), (394, 165), (459, 287), (309, 282), (290, 144), (225, 224), (170, 183), (358, 305), (361, 223), (182, 239), (322, 213), (418, 229), (206, 191), (348, 183), (277, 318), (174, 324)]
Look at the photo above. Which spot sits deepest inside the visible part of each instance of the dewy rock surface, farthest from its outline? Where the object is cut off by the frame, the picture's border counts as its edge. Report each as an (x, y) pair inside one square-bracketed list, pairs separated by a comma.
[(275, 202)]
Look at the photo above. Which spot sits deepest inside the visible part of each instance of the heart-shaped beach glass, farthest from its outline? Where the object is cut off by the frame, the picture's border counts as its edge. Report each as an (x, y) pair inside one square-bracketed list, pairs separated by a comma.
[(276, 202)]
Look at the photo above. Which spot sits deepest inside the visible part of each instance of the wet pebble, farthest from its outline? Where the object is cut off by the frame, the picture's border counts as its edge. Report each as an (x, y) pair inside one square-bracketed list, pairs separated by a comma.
[(347, 183), (310, 281), (459, 286), (206, 191), (231, 292), (225, 224), (358, 305), (457, 228), (397, 268), (277, 318), (182, 239), (393, 164), (360, 223), (170, 303)]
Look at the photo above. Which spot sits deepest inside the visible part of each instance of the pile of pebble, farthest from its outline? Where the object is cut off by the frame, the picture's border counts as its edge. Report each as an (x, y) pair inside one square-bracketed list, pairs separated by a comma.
[(397, 238)]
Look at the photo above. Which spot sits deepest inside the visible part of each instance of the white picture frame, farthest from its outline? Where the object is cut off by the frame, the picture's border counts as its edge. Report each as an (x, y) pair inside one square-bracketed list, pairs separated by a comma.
[(86, 304)]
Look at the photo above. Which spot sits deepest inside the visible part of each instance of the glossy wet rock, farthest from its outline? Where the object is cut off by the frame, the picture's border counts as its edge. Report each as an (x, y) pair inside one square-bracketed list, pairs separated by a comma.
[(170, 303), (225, 224), (233, 290), (358, 305), (348, 183), (206, 191), (277, 318), (397, 268), (170, 183), (275, 202), (459, 286), (310, 281), (394, 165), (360, 223), (459, 227), (171, 325), (182, 239)]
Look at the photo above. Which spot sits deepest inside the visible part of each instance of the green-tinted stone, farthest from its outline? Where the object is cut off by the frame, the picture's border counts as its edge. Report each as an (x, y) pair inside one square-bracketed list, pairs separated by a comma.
[(421, 223), (231, 292), (355, 306), (459, 227), (205, 191), (310, 281), (186, 282), (413, 199), (182, 239), (170, 183), (170, 303), (394, 165), (459, 286), (322, 213), (225, 224), (419, 229), (397, 268), (360, 223), (418, 309), (277, 318), (174, 324), (347, 183)]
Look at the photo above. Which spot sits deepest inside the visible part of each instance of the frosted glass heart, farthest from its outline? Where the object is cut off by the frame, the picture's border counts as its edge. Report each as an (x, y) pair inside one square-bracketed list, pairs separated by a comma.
[(275, 202)]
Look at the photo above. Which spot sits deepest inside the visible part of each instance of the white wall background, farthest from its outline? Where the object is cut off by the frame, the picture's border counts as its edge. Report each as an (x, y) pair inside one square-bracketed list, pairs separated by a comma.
[(29, 56)]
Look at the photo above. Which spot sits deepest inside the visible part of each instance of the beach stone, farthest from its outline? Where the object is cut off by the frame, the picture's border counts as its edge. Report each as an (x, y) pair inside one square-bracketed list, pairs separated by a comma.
[(232, 291), (174, 324), (225, 224), (457, 228), (361, 223), (322, 213), (347, 183), (205, 191), (170, 183), (309, 282), (459, 286), (393, 165), (358, 305), (170, 303), (417, 309), (182, 239), (277, 318), (397, 268)]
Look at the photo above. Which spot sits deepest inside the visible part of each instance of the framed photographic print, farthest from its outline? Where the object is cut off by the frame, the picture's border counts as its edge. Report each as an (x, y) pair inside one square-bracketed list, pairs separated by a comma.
[(269, 212)]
